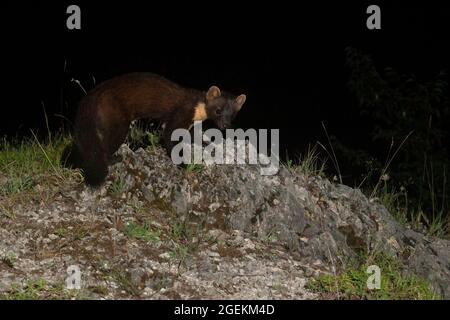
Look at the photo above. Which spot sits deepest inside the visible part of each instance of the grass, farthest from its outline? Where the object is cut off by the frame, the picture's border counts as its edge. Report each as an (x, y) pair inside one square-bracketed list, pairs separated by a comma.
[(193, 167), (117, 187), (142, 232), (8, 259), (40, 289), (352, 283), (179, 253), (396, 202), (16, 184), (154, 138), (186, 239), (122, 278), (32, 290), (142, 135), (332, 154), (183, 231), (31, 170), (309, 164)]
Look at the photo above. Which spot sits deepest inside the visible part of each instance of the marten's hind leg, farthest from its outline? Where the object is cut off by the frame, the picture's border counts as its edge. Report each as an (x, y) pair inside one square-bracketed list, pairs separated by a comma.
[(113, 134)]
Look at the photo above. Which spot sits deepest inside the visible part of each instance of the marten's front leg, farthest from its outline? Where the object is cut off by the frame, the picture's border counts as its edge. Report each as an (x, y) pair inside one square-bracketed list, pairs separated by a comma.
[(177, 121)]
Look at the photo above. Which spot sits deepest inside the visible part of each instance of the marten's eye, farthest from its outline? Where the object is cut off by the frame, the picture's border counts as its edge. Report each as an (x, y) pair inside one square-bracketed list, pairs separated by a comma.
[(218, 111)]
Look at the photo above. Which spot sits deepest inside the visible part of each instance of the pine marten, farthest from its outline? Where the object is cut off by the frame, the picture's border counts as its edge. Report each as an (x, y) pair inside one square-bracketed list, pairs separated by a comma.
[(106, 112)]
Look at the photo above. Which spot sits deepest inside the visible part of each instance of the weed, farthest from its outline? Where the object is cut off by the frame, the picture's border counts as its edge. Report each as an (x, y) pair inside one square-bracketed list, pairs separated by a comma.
[(143, 232), (352, 283)]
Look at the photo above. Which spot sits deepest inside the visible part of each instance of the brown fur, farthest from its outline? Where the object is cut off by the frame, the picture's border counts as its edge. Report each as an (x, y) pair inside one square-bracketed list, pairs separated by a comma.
[(105, 114)]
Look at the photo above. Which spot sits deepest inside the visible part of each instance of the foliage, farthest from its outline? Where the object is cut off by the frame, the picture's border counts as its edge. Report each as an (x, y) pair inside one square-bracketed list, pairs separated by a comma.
[(400, 106)]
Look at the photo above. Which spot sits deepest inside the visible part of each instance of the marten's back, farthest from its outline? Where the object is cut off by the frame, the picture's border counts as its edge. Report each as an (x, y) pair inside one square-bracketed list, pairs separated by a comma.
[(139, 95)]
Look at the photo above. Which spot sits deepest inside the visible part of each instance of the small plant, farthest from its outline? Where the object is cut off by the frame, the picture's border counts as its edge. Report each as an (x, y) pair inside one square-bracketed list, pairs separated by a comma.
[(185, 238), (32, 290), (290, 165), (271, 237), (309, 164), (142, 232), (61, 232), (332, 154), (9, 260), (7, 212), (396, 202), (179, 231), (124, 282), (153, 138), (40, 289), (117, 187), (185, 232), (136, 205), (16, 184), (30, 170), (179, 253), (143, 135), (399, 206), (352, 283), (193, 167)]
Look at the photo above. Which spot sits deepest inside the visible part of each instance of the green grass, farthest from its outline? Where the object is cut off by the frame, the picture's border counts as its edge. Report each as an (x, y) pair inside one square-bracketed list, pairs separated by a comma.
[(8, 259), (142, 232), (179, 253), (153, 138), (40, 290), (179, 231), (186, 238), (399, 206), (62, 232), (141, 135), (117, 187), (32, 290), (193, 167), (352, 283), (123, 280), (183, 231), (26, 163), (309, 164), (17, 184)]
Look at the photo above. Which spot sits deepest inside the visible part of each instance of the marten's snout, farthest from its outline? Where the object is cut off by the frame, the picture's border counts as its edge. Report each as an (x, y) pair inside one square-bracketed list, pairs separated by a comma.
[(223, 126), (225, 120)]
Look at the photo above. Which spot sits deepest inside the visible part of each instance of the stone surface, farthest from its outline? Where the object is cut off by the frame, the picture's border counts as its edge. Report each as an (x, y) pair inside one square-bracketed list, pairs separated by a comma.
[(219, 232)]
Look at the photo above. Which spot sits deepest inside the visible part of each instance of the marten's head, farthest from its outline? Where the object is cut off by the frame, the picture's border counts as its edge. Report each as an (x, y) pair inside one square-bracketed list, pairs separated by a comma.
[(222, 107)]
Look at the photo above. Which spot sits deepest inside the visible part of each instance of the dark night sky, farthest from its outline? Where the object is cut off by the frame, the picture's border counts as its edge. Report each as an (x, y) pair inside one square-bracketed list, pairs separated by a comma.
[(287, 58)]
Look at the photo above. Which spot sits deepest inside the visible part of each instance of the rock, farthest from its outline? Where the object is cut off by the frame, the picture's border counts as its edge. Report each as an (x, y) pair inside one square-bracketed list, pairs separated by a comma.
[(222, 232), (341, 221)]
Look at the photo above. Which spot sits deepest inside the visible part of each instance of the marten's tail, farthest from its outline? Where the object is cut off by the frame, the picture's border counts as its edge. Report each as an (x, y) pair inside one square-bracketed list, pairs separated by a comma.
[(93, 164)]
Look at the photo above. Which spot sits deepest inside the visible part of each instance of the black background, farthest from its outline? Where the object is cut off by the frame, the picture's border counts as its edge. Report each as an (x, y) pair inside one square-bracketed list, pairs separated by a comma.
[(164, 309), (287, 57)]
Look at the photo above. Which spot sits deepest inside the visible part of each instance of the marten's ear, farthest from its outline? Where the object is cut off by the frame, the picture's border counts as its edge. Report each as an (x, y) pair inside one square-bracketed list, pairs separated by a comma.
[(213, 93), (240, 101)]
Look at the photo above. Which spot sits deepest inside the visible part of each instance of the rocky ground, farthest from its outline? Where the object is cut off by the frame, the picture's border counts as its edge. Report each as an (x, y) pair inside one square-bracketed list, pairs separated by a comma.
[(157, 231)]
